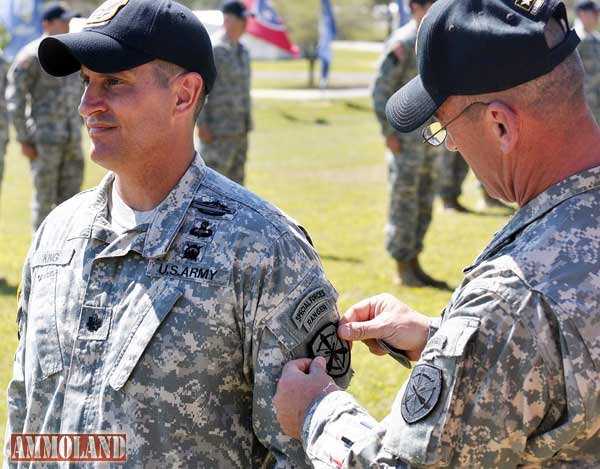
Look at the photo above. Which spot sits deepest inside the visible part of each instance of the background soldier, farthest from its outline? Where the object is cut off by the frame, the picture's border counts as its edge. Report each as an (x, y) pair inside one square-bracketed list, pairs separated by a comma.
[(411, 165), (3, 122), (589, 49), (452, 174), (48, 127), (225, 121)]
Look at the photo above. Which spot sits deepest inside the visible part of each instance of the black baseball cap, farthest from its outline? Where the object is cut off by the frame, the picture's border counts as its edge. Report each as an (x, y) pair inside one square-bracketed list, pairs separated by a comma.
[(123, 34), (588, 5), (235, 7), (57, 11), (469, 47)]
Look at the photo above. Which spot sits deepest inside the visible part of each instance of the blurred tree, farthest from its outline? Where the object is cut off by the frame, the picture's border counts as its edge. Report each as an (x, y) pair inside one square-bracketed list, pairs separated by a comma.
[(302, 23)]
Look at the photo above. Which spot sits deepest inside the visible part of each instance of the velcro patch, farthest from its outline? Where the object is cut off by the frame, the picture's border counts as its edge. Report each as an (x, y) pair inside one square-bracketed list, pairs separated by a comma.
[(422, 393), (106, 11), (308, 306), (326, 343), (185, 271), (42, 258)]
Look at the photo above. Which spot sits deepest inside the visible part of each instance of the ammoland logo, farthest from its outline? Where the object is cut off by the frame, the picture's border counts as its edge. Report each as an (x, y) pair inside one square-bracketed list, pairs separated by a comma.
[(50, 447)]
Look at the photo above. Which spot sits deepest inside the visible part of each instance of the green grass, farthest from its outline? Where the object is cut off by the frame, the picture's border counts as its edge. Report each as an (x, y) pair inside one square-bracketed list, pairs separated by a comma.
[(323, 163)]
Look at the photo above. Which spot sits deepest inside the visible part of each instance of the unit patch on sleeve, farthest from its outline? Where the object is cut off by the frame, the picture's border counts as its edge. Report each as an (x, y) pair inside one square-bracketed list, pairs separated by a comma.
[(337, 351), (312, 307), (422, 393)]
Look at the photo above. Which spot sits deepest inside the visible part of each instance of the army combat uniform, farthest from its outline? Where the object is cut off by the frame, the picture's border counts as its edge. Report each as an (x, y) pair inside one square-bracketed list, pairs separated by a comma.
[(175, 332), (44, 111), (411, 172), (589, 50), (227, 112), (453, 170), (510, 377), (3, 113)]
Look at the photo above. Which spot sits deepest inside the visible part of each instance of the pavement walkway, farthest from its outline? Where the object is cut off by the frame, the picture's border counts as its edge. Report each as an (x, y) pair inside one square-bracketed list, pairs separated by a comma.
[(316, 94)]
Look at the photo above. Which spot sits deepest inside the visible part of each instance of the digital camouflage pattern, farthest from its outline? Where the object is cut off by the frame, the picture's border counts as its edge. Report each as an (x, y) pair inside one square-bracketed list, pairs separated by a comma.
[(518, 349), (3, 112), (228, 110), (44, 111), (411, 172), (175, 332), (453, 170), (589, 50)]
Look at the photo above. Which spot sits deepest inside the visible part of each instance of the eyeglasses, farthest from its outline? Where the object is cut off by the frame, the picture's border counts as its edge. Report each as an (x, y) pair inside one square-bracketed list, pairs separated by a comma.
[(435, 133)]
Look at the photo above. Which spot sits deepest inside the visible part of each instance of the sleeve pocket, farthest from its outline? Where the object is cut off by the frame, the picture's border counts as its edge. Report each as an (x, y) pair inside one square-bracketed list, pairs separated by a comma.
[(423, 406), (155, 310)]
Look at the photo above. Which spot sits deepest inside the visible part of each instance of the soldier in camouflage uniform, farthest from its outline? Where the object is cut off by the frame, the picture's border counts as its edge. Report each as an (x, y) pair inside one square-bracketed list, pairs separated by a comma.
[(3, 113), (48, 127), (410, 164), (226, 119), (3, 122), (589, 49), (453, 170), (508, 377), (163, 304)]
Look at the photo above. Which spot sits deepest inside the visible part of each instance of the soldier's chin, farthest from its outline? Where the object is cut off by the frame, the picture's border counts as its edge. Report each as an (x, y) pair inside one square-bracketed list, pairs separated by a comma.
[(101, 154)]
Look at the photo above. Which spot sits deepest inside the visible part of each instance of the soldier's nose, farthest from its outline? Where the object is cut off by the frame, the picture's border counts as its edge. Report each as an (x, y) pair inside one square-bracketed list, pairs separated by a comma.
[(91, 103)]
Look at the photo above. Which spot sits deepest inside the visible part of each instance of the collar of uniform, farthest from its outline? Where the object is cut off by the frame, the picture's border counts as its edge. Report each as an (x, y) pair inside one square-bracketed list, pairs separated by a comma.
[(538, 207), (171, 212), (93, 222)]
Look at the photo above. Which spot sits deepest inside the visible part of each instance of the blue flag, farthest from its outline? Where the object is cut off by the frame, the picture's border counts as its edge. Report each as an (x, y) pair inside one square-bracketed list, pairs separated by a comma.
[(23, 21), (402, 13), (327, 32)]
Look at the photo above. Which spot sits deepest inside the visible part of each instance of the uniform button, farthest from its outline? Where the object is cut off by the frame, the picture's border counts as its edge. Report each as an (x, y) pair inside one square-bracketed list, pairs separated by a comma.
[(191, 252), (93, 323)]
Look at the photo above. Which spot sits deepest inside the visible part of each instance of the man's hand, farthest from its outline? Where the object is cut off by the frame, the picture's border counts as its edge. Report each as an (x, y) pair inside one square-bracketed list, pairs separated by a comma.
[(384, 317), (393, 144), (301, 383), (29, 150), (205, 135)]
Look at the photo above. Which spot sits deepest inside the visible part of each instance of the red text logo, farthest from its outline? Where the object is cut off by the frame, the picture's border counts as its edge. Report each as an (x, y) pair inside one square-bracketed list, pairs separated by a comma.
[(68, 447)]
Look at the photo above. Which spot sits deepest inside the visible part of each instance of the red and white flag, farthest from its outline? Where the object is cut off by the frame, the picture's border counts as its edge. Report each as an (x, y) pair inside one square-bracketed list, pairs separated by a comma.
[(267, 25)]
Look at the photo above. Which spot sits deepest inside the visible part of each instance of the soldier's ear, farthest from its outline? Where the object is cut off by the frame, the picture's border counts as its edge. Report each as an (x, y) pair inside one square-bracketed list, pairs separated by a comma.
[(503, 122), (188, 87)]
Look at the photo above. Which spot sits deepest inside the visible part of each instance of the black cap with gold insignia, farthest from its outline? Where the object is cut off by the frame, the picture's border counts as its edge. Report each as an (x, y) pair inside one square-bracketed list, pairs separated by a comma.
[(468, 47), (123, 34)]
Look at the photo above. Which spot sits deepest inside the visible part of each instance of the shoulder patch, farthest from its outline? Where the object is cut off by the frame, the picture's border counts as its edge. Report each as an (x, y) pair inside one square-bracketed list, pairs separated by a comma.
[(326, 343), (422, 393)]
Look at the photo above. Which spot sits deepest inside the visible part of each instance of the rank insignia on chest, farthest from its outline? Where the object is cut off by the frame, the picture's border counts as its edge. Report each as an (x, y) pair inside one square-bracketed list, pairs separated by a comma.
[(422, 393), (335, 350)]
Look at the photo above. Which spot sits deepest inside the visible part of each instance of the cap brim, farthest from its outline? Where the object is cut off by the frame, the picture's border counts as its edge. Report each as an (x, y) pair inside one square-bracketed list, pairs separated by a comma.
[(64, 54), (411, 106)]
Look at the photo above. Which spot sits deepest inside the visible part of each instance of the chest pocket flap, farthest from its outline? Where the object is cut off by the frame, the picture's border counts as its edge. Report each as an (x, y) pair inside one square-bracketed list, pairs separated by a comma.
[(154, 312), (421, 410)]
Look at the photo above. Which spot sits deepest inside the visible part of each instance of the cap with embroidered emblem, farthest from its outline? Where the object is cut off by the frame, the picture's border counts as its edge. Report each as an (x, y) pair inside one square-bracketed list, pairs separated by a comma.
[(123, 34), (467, 47)]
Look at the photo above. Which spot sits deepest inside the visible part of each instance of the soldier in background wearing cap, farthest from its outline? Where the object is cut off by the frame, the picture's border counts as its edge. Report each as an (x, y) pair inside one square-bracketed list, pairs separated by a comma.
[(226, 119), (44, 113), (163, 303), (508, 377), (589, 49), (410, 164), (3, 122)]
